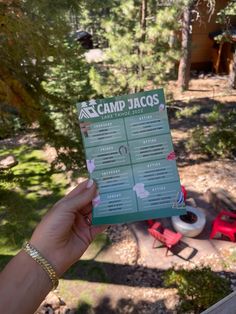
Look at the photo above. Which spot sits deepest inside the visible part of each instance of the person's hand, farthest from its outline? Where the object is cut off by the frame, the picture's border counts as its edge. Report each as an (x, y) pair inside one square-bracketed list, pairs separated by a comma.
[(65, 232)]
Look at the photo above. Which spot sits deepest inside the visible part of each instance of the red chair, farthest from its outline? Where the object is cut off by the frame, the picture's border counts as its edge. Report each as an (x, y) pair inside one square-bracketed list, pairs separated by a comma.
[(150, 222), (168, 238), (184, 191), (226, 227)]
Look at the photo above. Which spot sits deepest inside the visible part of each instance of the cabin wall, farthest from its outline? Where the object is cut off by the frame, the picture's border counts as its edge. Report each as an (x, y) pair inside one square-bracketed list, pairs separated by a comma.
[(203, 53)]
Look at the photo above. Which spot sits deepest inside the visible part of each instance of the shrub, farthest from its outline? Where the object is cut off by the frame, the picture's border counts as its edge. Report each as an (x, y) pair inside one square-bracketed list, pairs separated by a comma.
[(218, 139), (10, 125), (198, 288), (188, 112)]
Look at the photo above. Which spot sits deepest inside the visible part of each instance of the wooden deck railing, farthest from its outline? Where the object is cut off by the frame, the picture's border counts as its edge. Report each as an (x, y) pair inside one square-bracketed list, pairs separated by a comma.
[(224, 306)]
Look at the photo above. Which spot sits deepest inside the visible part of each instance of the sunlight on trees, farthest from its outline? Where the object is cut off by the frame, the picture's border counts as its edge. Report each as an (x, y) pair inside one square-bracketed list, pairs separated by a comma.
[(43, 69)]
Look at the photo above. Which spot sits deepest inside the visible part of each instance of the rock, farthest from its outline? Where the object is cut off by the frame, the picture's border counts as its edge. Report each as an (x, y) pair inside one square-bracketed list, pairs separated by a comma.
[(208, 75), (65, 310), (53, 304), (201, 178), (7, 162), (46, 310), (220, 199), (194, 73), (41, 310), (53, 301)]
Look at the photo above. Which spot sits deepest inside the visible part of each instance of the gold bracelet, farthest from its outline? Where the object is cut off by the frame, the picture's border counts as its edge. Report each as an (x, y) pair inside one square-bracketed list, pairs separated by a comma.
[(31, 251)]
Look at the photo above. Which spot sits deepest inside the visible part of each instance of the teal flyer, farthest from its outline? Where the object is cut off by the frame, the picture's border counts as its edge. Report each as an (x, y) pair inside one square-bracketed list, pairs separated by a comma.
[(129, 153)]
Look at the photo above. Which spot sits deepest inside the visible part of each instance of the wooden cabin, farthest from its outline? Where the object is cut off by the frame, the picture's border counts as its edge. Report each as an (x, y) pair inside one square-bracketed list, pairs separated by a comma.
[(207, 53)]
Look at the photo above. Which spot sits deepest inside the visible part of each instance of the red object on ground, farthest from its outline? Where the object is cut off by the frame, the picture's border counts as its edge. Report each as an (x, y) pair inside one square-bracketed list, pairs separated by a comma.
[(150, 223), (184, 191), (171, 156), (168, 237), (227, 228)]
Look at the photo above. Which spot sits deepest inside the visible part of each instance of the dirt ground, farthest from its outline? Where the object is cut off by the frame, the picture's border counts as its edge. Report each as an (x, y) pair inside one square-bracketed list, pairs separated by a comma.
[(196, 172), (204, 86)]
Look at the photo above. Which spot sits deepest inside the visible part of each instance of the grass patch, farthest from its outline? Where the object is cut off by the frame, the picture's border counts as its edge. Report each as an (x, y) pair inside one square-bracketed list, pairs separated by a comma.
[(100, 243), (27, 191), (85, 297), (232, 256)]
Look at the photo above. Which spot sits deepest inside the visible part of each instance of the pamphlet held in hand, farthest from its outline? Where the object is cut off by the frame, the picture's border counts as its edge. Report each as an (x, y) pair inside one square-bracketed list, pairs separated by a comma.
[(129, 153)]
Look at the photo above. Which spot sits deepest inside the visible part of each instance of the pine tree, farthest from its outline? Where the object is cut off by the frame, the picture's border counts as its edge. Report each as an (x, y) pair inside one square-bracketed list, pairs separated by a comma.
[(140, 53), (186, 41), (190, 7)]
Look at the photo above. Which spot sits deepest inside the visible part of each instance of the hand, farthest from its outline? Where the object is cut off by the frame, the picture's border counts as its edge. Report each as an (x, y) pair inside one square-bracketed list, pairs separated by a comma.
[(65, 232)]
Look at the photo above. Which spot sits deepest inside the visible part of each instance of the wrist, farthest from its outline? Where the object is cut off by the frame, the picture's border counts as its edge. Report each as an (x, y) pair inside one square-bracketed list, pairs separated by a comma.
[(20, 278), (52, 256), (35, 271), (43, 262)]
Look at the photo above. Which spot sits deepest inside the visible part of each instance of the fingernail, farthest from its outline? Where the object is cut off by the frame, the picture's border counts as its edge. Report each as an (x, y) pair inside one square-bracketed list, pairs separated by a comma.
[(89, 184), (96, 201), (88, 221)]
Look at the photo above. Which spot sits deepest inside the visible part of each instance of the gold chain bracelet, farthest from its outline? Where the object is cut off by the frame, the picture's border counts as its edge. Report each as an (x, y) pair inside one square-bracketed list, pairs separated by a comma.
[(34, 253)]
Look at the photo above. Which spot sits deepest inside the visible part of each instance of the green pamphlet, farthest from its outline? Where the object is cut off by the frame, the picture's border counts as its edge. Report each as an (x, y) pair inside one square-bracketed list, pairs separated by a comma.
[(129, 153)]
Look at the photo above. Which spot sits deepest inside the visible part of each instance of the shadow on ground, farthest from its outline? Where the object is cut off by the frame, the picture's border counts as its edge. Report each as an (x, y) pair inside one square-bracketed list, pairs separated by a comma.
[(123, 305), (119, 305), (117, 274)]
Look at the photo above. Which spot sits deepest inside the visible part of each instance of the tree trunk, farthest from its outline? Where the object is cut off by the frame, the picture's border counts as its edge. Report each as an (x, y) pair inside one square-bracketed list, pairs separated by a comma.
[(143, 24), (232, 74), (143, 19), (185, 60)]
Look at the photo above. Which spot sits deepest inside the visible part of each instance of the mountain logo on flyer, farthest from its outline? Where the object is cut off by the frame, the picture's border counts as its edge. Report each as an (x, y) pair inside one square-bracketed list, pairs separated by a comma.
[(88, 111)]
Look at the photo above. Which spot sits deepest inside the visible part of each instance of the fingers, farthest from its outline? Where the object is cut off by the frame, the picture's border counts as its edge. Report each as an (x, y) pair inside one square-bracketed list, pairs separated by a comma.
[(86, 210), (94, 230), (77, 190), (79, 201)]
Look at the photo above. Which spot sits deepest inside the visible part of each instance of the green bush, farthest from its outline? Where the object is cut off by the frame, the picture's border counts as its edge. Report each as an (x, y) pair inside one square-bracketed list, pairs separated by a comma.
[(198, 288), (218, 138), (232, 255), (188, 112), (10, 125)]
